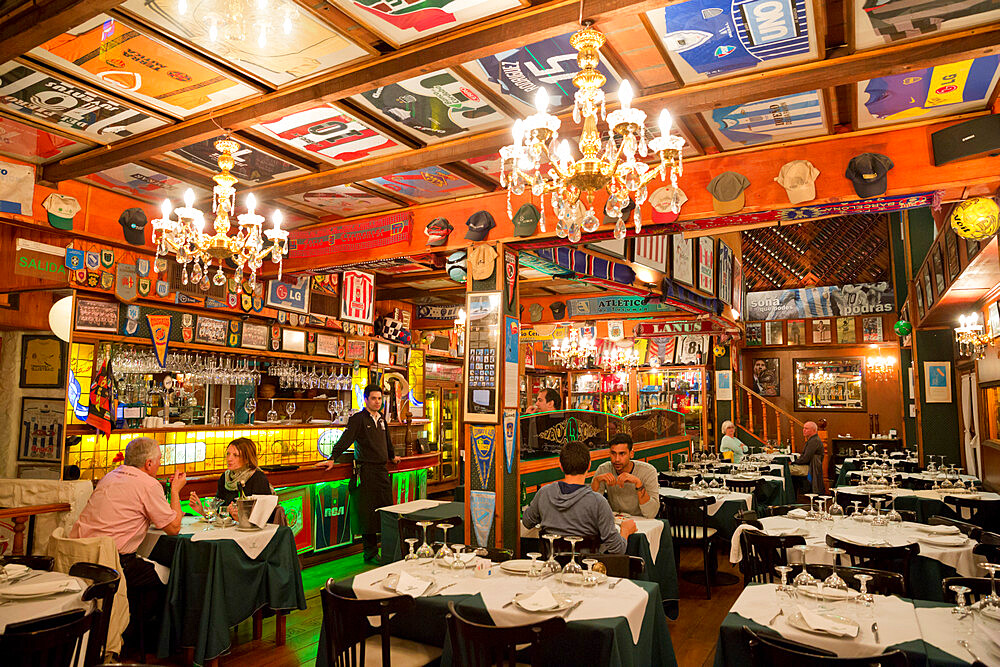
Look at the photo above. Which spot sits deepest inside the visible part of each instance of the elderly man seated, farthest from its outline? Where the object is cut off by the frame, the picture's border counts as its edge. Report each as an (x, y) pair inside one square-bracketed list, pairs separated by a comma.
[(127, 501)]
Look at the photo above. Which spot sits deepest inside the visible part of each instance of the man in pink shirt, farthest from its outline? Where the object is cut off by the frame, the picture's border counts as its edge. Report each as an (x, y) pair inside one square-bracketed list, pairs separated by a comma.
[(127, 501)]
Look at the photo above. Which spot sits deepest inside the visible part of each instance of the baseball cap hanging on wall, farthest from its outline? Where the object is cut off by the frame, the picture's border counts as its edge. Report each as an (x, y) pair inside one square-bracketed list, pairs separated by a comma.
[(798, 177), (727, 192), (867, 172), (133, 222)]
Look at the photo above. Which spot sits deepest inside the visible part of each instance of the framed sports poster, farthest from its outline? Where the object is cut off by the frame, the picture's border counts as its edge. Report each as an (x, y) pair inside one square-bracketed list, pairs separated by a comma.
[(35, 145), (427, 184), (928, 293), (938, 262), (357, 297), (211, 331), (40, 434), (920, 299), (482, 357), (755, 335), (96, 316), (682, 259), (738, 287), (796, 332), (876, 24), (784, 118), (43, 362), (725, 284), (821, 331), (356, 350), (402, 23), (871, 329), (329, 133), (706, 264), (294, 297), (774, 333)]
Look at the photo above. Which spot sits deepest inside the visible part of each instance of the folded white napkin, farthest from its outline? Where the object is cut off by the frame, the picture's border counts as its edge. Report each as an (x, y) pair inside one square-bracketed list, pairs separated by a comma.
[(41, 588), (540, 601), (798, 513), (409, 585), (825, 624), (735, 549), (262, 509), (939, 530), (15, 569), (943, 540)]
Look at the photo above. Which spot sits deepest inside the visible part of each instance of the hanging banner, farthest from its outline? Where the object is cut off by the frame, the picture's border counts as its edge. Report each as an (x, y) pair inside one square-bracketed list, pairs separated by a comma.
[(613, 305), (159, 333), (509, 437), (706, 325), (484, 446), (351, 236), (17, 187), (99, 413), (482, 509), (830, 301), (75, 392), (437, 312)]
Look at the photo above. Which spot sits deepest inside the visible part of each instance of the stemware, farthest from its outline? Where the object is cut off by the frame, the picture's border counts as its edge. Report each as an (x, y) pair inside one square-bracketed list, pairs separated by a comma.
[(229, 417), (836, 511), (992, 600), (535, 570), (425, 550), (590, 575), (869, 512), (331, 407), (803, 578), (444, 554), (290, 409), (572, 573), (411, 558), (250, 405), (865, 600), (835, 582), (551, 565), (812, 515), (962, 612), (784, 592), (272, 414), (857, 516), (458, 563)]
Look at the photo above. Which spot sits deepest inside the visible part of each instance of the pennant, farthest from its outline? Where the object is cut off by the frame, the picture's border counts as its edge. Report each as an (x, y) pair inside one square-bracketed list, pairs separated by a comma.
[(187, 299), (143, 286), (142, 267), (231, 300), (75, 392), (616, 330), (484, 445), (162, 288), (132, 312), (93, 279), (126, 283), (74, 259), (107, 258), (99, 411), (107, 280), (258, 303), (92, 261), (246, 302), (509, 437), (510, 273), (131, 326), (81, 276), (159, 332), (213, 303), (282, 317), (187, 320), (187, 333), (482, 508)]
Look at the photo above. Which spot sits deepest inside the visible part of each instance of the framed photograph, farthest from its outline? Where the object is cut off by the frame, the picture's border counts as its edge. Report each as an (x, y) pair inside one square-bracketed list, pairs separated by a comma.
[(682, 259), (41, 430), (925, 276), (211, 331), (755, 334), (951, 247), (96, 316), (254, 336), (920, 299), (724, 385), (357, 297), (612, 247), (738, 287), (971, 249), (994, 319), (822, 331), (846, 332), (482, 357), (774, 333), (938, 260), (651, 251), (796, 332), (766, 379), (293, 340), (871, 329), (725, 289), (706, 264), (43, 362), (937, 381)]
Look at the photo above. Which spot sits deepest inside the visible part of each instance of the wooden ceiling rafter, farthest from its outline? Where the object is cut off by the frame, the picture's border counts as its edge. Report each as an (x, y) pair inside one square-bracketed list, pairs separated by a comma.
[(42, 22)]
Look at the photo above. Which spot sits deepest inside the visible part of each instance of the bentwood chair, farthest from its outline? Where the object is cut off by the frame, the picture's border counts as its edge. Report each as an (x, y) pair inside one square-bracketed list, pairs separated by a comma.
[(476, 645), (351, 641), (989, 546), (52, 641), (983, 513), (882, 582), (688, 519), (769, 650), (781, 510), (890, 559), (103, 591), (762, 552), (968, 529), (979, 587), (43, 563), (615, 565), (750, 517)]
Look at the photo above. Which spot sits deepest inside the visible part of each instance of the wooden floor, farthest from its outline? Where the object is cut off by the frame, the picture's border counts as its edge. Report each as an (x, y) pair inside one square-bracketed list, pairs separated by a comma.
[(694, 633)]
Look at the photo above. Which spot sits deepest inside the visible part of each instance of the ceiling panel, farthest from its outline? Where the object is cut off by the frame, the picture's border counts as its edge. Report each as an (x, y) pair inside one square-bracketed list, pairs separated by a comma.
[(344, 200), (486, 164), (428, 184), (253, 165), (34, 145), (882, 23), (777, 119), (142, 183)]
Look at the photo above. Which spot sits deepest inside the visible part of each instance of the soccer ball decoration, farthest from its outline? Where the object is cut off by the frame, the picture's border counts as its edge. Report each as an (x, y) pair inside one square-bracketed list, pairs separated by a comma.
[(976, 218), (903, 328), (719, 350)]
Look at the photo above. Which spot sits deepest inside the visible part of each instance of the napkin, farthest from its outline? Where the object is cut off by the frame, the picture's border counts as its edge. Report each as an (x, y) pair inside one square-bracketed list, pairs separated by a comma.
[(798, 513), (940, 530), (15, 569), (832, 593), (825, 624), (42, 588), (943, 540), (262, 509), (540, 601), (410, 585)]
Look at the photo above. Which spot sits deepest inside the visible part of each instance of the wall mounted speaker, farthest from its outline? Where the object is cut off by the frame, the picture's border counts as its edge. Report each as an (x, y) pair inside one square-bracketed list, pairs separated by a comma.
[(979, 137)]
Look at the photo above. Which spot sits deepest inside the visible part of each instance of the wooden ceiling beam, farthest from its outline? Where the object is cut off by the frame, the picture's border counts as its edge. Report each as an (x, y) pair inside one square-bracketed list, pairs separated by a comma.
[(39, 24)]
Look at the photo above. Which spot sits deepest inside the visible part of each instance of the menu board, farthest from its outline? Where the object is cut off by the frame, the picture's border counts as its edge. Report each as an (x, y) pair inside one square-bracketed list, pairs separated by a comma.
[(482, 352), (254, 336), (211, 331), (96, 316)]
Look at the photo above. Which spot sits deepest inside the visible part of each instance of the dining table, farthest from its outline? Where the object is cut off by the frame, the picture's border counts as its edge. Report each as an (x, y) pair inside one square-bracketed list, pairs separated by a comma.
[(438, 511), (929, 567), (722, 513), (218, 577), (619, 622), (927, 632), (32, 594), (924, 502)]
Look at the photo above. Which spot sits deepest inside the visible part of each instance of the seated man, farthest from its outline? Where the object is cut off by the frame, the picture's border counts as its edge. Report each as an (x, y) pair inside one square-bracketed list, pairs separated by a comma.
[(807, 470), (125, 503), (632, 487), (571, 509), (547, 400)]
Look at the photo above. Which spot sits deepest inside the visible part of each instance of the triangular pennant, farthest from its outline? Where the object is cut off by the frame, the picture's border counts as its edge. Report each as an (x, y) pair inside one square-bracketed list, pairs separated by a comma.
[(159, 332), (482, 509), (509, 437), (484, 445)]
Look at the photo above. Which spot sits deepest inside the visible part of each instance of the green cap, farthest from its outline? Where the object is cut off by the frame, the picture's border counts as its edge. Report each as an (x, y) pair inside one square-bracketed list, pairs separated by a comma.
[(525, 220)]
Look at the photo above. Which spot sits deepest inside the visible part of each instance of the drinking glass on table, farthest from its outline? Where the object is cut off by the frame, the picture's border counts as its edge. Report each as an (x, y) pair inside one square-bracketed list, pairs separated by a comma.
[(784, 592), (835, 584), (865, 602), (590, 576), (803, 578), (411, 558), (444, 554), (551, 565), (836, 511), (812, 515), (992, 600), (425, 550), (535, 571), (458, 563), (572, 574)]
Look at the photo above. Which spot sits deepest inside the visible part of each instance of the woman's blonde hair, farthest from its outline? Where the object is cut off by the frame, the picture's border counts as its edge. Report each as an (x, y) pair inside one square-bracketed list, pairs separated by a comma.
[(726, 424), (247, 450)]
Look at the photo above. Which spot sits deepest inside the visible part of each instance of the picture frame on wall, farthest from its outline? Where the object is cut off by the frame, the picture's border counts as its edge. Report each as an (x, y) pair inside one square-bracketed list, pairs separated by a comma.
[(357, 297), (845, 330), (937, 381), (871, 329), (40, 433), (774, 333), (682, 262), (725, 273), (951, 247), (738, 287), (43, 362), (482, 357), (796, 332), (706, 265), (765, 376), (938, 261), (994, 318), (928, 290), (920, 299), (755, 334), (822, 331), (971, 249)]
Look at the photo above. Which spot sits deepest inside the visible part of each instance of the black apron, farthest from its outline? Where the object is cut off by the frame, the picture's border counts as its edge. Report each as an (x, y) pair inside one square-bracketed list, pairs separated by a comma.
[(369, 488)]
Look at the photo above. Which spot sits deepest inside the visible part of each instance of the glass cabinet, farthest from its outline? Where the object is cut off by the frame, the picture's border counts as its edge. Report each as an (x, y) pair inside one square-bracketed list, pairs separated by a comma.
[(600, 391), (680, 388)]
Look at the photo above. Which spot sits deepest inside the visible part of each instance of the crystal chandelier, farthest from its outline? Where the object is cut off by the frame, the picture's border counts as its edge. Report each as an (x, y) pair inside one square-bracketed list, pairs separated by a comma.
[(610, 164), (617, 359), (881, 367), (186, 238), (972, 342), (574, 351), (822, 377), (241, 20)]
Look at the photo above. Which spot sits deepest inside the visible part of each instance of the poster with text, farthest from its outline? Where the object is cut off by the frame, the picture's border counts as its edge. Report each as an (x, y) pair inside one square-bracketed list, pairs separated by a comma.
[(777, 119), (858, 299), (404, 22)]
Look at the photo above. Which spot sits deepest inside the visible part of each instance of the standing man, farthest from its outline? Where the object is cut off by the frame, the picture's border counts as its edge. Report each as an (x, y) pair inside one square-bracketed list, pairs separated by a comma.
[(370, 485), (547, 400), (810, 462), (631, 487)]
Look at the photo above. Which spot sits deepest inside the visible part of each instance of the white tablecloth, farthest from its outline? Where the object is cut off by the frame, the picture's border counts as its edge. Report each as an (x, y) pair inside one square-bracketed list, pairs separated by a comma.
[(16, 611), (626, 599), (720, 499), (930, 494), (252, 542), (940, 628), (412, 506)]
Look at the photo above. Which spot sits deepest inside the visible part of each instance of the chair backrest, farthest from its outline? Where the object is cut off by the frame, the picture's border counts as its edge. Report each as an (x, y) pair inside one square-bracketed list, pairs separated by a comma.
[(750, 517), (674, 481), (103, 590), (882, 582), (917, 483), (615, 565), (53, 641), (744, 485), (43, 563), (968, 529), (589, 543), (346, 623), (845, 498), (980, 512), (762, 552), (979, 587), (475, 645), (989, 546), (770, 650), (891, 559), (688, 517), (906, 515), (781, 510)]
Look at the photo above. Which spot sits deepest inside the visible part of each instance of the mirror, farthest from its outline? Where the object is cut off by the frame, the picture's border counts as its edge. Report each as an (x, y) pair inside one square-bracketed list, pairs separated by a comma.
[(831, 384)]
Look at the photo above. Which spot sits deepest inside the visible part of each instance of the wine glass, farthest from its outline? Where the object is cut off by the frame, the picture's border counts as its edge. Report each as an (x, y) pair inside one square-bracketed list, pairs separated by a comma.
[(869, 512), (425, 550), (865, 600), (991, 600), (835, 582), (535, 570), (812, 515), (836, 511), (803, 578), (444, 554), (215, 416), (290, 409), (551, 564), (590, 576), (251, 409), (458, 563), (572, 573), (857, 516), (331, 407), (784, 592), (962, 611), (229, 417), (411, 558), (272, 414)]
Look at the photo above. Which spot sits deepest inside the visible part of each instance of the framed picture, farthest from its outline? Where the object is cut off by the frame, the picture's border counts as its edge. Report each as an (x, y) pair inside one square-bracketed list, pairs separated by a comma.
[(822, 331), (875, 24), (725, 289), (784, 118), (691, 349), (134, 180), (938, 260), (796, 332), (96, 316), (482, 357), (357, 297), (951, 247), (738, 287), (994, 318), (706, 264), (928, 291), (937, 381), (971, 249), (43, 362), (845, 330), (254, 336), (613, 247), (427, 184), (294, 296), (766, 379), (211, 331), (651, 251), (682, 260), (253, 164), (724, 385), (41, 429), (920, 299), (774, 333), (871, 329), (754, 334), (35, 145), (402, 24)]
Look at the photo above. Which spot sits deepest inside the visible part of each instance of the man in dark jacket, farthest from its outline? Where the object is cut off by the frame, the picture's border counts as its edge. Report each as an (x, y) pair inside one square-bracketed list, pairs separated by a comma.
[(811, 459), (370, 486)]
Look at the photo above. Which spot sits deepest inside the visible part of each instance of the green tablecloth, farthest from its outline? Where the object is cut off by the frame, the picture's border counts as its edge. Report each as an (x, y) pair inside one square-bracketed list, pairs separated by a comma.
[(664, 571), (724, 520), (606, 641), (213, 586), (391, 551)]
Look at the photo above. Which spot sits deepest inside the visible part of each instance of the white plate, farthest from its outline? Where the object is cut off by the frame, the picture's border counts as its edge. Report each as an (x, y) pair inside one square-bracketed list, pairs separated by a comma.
[(796, 621), (577, 580), (562, 602), (938, 530), (517, 566)]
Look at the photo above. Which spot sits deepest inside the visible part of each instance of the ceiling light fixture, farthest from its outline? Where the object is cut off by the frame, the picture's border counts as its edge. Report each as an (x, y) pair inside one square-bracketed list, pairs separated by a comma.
[(244, 20)]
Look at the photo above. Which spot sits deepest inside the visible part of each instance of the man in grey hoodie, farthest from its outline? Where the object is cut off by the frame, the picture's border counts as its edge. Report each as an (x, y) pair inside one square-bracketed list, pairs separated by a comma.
[(570, 508)]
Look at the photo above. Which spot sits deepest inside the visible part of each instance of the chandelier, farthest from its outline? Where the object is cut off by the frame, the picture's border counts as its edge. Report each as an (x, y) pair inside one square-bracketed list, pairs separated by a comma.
[(616, 359), (574, 351), (881, 367), (610, 164), (241, 20), (191, 245), (822, 377), (969, 334)]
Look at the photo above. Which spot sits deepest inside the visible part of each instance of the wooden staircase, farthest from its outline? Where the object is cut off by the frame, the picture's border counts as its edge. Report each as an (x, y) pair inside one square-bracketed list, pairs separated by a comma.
[(763, 421)]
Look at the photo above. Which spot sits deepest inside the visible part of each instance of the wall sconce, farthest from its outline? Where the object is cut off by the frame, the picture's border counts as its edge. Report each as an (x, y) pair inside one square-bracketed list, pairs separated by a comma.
[(880, 367)]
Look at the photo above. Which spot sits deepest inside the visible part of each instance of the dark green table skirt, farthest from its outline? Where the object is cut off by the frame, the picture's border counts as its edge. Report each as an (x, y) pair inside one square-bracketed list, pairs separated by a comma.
[(213, 586), (453, 513)]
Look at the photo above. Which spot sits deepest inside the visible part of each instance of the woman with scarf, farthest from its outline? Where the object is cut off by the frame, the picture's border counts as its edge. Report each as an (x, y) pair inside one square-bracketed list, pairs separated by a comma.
[(241, 473)]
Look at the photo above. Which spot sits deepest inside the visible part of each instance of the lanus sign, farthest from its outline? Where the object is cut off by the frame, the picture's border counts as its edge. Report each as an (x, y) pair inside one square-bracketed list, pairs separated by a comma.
[(707, 325)]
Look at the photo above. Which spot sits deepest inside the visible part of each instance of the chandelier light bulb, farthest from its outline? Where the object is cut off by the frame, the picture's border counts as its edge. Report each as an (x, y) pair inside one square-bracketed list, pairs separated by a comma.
[(165, 208), (518, 131), (251, 203), (563, 152), (276, 219), (213, 31), (625, 94), (262, 5), (189, 198), (666, 120), (541, 99)]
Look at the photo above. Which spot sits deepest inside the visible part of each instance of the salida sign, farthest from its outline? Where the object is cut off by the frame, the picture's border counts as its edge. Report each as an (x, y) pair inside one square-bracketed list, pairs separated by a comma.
[(40, 265)]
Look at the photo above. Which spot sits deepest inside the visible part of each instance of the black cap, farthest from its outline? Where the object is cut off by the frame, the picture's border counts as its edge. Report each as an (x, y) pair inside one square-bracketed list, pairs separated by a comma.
[(479, 223), (558, 310), (626, 214), (133, 222), (867, 172), (437, 231)]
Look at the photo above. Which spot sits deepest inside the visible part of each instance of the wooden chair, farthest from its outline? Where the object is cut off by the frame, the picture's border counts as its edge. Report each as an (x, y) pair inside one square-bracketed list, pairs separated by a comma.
[(982, 513), (351, 641), (748, 486), (979, 587), (43, 563), (616, 565), (52, 641), (890, 559), (762, 552), (675, 481), (475, 645), (781, 510), (688, 519), (968, 529), (768, 650), (906, 515), (882, 582), (989, 546), (589, 543), (847, 499), (102, 591), (750, 517)]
